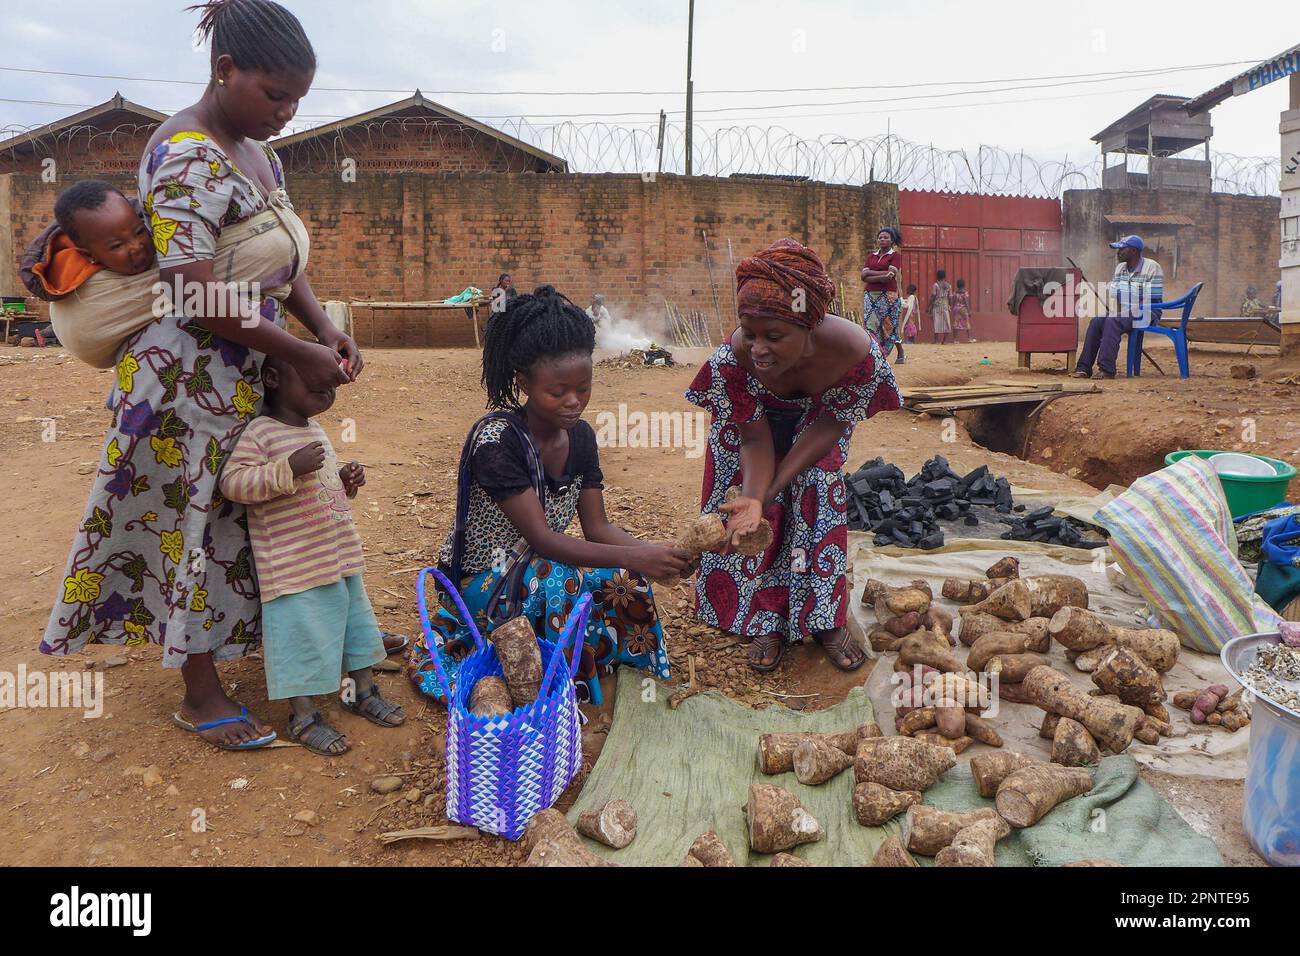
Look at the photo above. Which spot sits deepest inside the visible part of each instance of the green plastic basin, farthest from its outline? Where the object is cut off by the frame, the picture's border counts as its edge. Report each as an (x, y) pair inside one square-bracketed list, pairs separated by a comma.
[(1247, 494)]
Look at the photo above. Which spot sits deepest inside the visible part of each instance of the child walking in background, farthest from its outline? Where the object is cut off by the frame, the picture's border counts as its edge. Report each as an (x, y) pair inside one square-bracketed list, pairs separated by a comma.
[(961, 313), (939, 307), (316, 619), (910, 311)]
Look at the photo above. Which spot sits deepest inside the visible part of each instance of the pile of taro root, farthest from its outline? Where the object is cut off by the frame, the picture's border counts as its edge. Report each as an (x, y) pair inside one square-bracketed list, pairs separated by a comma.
[(1006, 623)]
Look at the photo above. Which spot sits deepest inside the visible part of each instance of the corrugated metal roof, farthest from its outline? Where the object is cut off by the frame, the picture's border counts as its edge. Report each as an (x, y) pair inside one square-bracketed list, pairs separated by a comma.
[(1213, 97), (1149, 219)]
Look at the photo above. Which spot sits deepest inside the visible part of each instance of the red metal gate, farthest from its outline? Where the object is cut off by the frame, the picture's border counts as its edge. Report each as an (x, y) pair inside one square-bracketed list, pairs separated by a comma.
[(982, 239)]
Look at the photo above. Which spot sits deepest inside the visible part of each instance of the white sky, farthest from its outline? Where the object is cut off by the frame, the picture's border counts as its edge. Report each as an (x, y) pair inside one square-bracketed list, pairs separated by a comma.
[(439, 45)]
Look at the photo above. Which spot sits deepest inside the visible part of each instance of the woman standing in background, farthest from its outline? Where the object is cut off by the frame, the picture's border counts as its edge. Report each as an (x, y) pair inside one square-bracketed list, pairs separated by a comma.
[(880, 305), (939, 306)]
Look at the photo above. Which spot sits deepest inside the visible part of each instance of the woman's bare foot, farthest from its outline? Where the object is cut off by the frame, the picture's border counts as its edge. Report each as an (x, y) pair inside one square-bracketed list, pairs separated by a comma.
[(206, 700)]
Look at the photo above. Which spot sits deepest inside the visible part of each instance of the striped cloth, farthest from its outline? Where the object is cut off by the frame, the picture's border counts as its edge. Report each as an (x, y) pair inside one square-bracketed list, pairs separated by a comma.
[(1173, 536), (302, 530)]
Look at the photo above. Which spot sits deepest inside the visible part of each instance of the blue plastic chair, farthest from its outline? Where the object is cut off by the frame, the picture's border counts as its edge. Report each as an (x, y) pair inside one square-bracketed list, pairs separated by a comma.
[(1179, 335)]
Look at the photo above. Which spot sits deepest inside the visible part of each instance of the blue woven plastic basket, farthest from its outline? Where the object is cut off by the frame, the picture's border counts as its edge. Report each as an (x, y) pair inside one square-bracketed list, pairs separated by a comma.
[(503, 771)]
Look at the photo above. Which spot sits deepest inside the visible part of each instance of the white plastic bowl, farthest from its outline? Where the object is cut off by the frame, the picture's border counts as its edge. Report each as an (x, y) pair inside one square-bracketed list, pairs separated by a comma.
[(1231, 463)]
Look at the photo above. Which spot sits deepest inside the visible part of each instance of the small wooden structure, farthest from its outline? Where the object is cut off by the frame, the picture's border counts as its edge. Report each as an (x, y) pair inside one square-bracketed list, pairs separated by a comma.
[(1159, 129)]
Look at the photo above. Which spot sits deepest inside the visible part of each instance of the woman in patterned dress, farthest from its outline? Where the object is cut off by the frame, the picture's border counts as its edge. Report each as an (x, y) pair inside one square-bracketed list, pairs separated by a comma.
[(785, 393), (881, 306), (160, 556), (961, 312), (940, 307), (528, 469)]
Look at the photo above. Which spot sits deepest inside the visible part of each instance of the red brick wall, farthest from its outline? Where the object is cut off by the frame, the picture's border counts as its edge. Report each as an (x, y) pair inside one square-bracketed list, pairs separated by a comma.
[(1234, 241), (413, 236), (394, 146)]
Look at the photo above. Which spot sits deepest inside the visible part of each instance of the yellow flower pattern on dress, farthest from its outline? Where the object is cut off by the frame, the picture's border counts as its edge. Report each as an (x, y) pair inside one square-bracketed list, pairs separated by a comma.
[(137, 633), (245, 399), (82, 587), (172, 545), (163, 230), (199, 600), (113, 452), (187, 134), (127, 366), (165, 451)]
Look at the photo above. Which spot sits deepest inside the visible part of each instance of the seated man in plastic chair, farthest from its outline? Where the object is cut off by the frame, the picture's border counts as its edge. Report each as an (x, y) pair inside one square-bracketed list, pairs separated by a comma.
[(1137, 284)]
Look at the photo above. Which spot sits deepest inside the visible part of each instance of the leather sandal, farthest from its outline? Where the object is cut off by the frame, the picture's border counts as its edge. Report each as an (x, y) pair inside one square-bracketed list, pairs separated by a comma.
[(763, 645), (842, 645)]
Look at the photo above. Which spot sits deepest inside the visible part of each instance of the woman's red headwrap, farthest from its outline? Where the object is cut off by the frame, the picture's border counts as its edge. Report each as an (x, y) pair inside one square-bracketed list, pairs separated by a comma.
[(785, 281)]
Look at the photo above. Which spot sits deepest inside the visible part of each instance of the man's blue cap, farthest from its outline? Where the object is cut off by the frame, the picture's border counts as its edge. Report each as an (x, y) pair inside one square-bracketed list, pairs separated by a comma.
[(1134, 241)]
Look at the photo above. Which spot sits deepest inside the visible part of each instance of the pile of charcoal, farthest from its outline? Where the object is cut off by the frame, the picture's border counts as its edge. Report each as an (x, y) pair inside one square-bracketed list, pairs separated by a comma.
[(908, 512)]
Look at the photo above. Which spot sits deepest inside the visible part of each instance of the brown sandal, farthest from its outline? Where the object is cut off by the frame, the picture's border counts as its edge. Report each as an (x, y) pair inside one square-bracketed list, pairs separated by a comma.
[(844, 645), (763, 645)]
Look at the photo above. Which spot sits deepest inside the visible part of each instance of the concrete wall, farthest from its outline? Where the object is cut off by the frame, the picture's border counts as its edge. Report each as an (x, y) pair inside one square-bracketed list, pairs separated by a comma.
[(1233, 242)]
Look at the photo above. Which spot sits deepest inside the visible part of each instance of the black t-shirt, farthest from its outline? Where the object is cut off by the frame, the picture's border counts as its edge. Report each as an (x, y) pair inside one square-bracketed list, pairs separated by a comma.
[(499, 469), (500, 465)]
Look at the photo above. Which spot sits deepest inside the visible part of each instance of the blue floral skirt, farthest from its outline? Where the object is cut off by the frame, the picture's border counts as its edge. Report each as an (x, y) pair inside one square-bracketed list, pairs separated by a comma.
[(623, 627)]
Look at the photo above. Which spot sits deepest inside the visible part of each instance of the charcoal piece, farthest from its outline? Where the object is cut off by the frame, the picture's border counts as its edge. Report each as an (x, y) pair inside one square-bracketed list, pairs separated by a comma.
[(916, 529), (1003, 509), (1005, 535), (1018, 508), (901, 538), (972, 521), (1040, 536), (931, 541), (881, 540), (1002, 495), (887, 502), (948, 512), (861, 486), (1039, 513)]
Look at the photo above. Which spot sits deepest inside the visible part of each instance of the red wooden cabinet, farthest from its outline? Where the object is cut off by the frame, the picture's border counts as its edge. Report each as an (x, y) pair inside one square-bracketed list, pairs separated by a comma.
[(1039, 331)]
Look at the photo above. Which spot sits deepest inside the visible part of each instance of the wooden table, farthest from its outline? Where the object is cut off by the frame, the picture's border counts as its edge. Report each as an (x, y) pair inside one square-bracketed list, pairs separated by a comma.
[(471, 308)]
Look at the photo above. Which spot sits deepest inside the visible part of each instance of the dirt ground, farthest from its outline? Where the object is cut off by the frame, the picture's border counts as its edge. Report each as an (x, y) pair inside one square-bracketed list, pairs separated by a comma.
[(75, 791)]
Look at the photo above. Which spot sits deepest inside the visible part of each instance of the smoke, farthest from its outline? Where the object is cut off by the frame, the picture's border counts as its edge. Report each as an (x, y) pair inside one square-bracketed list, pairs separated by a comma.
[(628, 330)]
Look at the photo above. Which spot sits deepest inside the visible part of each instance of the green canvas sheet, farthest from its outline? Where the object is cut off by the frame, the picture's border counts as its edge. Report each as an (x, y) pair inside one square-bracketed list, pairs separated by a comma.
[(689, 770)]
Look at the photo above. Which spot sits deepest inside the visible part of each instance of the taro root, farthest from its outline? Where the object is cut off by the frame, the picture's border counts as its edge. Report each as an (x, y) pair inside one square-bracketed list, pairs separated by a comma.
[(490, 697), (777, 820), (1027, 795), (614, 824), (875, 804), (521, 659)]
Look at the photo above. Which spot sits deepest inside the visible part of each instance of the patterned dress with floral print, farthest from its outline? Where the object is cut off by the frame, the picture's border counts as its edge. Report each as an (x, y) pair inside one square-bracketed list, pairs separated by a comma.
[(159, 556), (796, 587)]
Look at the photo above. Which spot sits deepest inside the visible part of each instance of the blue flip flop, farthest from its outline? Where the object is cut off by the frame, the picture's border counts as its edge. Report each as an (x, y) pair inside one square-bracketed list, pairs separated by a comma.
[(184, 724)]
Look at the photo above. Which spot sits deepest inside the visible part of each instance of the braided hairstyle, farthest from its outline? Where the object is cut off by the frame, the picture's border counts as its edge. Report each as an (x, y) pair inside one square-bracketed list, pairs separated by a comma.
[(257, 34), (532, 329)]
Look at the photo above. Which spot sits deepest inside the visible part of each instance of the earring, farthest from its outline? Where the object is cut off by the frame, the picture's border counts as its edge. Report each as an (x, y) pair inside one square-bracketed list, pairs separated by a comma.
[(221, 82)]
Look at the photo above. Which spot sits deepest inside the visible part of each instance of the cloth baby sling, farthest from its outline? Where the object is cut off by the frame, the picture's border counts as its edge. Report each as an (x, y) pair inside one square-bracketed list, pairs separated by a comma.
[(96, 318)]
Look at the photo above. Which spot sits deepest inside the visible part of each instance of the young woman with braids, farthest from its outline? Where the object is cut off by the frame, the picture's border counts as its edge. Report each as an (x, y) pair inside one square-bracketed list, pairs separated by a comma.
[(785, 393), (161, 556), (528, 469)]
